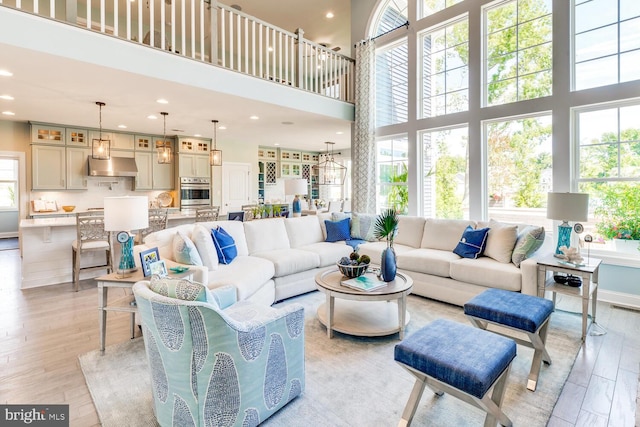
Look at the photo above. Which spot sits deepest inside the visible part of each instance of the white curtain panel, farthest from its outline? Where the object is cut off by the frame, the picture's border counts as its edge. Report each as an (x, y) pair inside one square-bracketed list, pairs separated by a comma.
[(363, 148)]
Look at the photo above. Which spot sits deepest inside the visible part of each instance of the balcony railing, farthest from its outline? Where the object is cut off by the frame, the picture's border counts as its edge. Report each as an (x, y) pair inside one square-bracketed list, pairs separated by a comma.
[(213, 33)]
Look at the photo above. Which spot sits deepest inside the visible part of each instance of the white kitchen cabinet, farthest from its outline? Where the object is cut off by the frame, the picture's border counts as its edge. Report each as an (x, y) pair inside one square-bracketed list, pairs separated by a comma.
[(95, 134), (47, 134), (143, 142), (77, 168), (48, 167), (193, 145), (290, 170), (267, 153), (122, 141), (144, 162), (163, 176), (193, 165), (77, 137)]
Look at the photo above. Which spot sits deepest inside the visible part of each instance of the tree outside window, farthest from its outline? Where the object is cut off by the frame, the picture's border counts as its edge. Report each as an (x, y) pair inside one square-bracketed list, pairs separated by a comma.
[(392, 165)]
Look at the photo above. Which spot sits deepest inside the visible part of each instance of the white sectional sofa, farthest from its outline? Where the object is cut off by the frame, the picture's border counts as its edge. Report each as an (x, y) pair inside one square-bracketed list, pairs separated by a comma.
[(278, 258)]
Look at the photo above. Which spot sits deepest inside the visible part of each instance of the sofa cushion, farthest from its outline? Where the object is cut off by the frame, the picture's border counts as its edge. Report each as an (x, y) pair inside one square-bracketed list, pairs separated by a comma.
[(528, 242), (500, 240), (427, 261), (163, 240), (236, 230), (201, 237), (443, 234), (472, 243), (290, 261), (184, 250), (266, 235), (338, 230), (329, 253), (374, 250), (322, 217), (225, 245), (410, 230), (362, 226), (488, 272), (247, 273), (303, 230)]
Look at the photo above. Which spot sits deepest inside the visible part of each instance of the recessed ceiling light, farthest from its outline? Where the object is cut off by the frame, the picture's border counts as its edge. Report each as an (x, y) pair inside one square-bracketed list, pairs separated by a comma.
[(6, 73), (254, 117), (197, 135), (152, 117), (339, 133), (270, 49), (122, 126), (276, 144), (329, 15), (162, 101), (222, 128), (7, 97), (8, 113)]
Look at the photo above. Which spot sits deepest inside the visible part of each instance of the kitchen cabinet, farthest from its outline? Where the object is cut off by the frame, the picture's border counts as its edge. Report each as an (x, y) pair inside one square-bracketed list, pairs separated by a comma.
[(119, 141), (290, 156), (47, 134), (48, 163), (290, 170), (193, 165), (143, 142), (193, 145), (268, 153), (77, 168), (77, 137), (163, 176), (144, 178)]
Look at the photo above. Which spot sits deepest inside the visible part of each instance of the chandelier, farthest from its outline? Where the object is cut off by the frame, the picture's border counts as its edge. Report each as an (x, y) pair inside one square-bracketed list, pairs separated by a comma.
[(329, 171)]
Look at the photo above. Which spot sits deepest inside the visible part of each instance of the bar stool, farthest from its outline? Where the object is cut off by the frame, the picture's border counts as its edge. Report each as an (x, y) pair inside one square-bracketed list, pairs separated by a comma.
[(207, 214), (91, 238), (157, 221)]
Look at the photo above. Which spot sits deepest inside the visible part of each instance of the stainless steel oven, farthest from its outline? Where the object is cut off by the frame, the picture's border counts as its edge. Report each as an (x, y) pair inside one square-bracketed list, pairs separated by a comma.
[(195, 192)]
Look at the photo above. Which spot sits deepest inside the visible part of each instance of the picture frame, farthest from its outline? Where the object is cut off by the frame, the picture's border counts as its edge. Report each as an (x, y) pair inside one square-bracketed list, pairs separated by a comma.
[(158, 268), (147, 258)]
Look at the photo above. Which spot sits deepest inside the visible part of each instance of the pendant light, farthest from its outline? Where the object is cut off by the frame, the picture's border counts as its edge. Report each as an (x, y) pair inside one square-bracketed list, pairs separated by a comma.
[(329, 171), (164, 147), (215, 155), (101, 148)]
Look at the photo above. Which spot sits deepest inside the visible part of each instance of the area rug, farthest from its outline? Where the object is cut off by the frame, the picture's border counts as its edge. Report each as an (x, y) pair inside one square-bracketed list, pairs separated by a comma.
[(350, 381)]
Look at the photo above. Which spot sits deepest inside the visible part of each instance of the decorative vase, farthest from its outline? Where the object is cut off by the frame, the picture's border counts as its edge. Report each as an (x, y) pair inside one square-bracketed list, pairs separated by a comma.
[(388, 266)]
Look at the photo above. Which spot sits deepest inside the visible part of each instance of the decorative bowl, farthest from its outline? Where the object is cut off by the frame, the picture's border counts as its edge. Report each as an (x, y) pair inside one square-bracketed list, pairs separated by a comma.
[(68, 208), (352, 271)]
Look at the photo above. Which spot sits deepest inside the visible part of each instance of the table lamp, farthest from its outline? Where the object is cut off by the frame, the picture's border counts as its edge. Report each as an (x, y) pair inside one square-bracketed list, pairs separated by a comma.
[(567, 207), (296, 187), (123, 214)]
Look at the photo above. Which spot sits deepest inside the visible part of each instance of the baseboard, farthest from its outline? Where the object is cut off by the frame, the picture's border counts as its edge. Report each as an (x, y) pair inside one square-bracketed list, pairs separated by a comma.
[(619, 298), (8, 234)]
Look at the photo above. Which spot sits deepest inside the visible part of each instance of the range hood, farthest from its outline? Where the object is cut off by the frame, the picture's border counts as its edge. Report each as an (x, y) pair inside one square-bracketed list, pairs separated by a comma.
[(116, 166)]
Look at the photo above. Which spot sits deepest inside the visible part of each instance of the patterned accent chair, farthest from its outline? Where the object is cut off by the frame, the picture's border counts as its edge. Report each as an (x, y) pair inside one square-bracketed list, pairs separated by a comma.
[(215, 361)]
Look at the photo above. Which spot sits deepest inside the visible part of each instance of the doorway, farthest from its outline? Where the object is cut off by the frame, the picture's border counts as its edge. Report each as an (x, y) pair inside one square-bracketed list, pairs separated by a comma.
[(236, 184), (11, 190)]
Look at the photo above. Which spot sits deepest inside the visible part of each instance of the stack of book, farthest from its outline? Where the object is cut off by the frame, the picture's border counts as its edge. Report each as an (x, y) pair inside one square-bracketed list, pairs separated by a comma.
[(367, 282)]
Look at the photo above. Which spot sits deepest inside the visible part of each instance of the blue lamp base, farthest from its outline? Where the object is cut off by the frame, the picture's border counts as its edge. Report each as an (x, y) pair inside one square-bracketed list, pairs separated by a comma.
[(296, 206), (127, 264), (564, 237)]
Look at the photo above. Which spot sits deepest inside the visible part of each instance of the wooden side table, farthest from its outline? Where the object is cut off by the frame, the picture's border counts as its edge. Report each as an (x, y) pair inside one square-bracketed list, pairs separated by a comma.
[(588, 289), (125, 304)]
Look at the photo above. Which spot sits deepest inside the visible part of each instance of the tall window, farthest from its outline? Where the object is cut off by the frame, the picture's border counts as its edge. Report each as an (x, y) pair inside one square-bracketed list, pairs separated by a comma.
[(518, 61), (607, 42), (445, 173), (392, 88), (609, 170), (433, 6), (445, 69), (8, 183), (519, 169), (392, 161), (392, 14)]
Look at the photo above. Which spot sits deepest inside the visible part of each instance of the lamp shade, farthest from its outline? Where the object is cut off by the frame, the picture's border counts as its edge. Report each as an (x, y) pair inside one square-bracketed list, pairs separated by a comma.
[(126, 213), (295, 187), (568, 206)]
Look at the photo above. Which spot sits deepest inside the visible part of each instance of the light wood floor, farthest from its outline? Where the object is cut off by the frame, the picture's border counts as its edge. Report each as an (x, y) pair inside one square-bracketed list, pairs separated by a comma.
[(44, 330)]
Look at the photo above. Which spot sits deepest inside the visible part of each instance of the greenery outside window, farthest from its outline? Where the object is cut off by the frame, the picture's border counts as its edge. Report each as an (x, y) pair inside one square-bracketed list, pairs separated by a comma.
[(445, 69), (445, 173), (607, 42), (608, 150), (432, 6), (8, 184), (392, 160), (518, 46), (519, 174)]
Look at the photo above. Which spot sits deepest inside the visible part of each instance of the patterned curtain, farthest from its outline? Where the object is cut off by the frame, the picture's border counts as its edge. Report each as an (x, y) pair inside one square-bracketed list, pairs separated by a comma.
[(363, 148)]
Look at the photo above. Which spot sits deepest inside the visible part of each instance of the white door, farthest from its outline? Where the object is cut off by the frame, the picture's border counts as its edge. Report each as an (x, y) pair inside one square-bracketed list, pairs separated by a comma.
[(236, 184)]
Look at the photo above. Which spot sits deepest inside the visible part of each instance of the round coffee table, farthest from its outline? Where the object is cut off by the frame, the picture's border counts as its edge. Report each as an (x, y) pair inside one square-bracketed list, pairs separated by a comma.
[(362, 313)]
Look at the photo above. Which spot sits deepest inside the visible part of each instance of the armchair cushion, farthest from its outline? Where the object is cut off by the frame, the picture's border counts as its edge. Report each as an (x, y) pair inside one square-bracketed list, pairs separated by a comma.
[(181, 289)]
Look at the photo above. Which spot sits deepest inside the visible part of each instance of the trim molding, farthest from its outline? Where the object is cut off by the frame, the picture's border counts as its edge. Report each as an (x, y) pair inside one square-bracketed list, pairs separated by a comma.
[(619, 298)]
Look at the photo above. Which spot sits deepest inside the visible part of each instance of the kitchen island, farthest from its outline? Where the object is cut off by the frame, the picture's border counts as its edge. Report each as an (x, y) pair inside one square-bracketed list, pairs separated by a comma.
[(45, 248)]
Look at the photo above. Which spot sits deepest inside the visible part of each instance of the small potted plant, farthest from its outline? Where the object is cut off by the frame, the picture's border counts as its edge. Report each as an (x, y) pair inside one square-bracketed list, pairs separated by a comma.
[(386, 227), (618, 217)]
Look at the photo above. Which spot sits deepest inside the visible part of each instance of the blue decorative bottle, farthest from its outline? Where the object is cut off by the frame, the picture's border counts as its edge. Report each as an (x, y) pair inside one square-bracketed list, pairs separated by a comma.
[(388, 266)]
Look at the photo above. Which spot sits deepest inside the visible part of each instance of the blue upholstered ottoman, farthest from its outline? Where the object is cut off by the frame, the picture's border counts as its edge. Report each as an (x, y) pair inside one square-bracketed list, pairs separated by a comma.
[(463, 361), (513, 310)]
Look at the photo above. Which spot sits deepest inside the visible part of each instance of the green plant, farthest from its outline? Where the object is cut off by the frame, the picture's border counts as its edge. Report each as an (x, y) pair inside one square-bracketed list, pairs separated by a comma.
[(277, 209), (386, 226), (617, 212)]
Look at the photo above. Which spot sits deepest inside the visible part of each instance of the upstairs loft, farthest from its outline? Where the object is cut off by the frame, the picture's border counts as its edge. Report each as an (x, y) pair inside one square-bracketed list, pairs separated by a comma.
[(205, 46)]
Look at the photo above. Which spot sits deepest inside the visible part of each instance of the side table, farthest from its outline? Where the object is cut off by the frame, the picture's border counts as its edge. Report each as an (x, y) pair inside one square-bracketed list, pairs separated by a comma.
[(125, 304), (588, 289)]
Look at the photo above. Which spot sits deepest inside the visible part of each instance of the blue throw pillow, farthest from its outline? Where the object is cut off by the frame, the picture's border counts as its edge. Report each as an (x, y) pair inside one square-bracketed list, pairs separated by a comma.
[(338, 230), (472, 242), (225, 245)]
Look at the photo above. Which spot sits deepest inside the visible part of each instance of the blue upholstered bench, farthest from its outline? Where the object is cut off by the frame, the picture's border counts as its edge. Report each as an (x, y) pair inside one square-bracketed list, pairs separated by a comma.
[(460, 360), (513, 310)]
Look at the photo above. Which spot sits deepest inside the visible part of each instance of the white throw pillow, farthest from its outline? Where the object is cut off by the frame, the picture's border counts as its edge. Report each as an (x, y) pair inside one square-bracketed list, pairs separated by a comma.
[(184, 251), (500, 240), (201, 237)]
